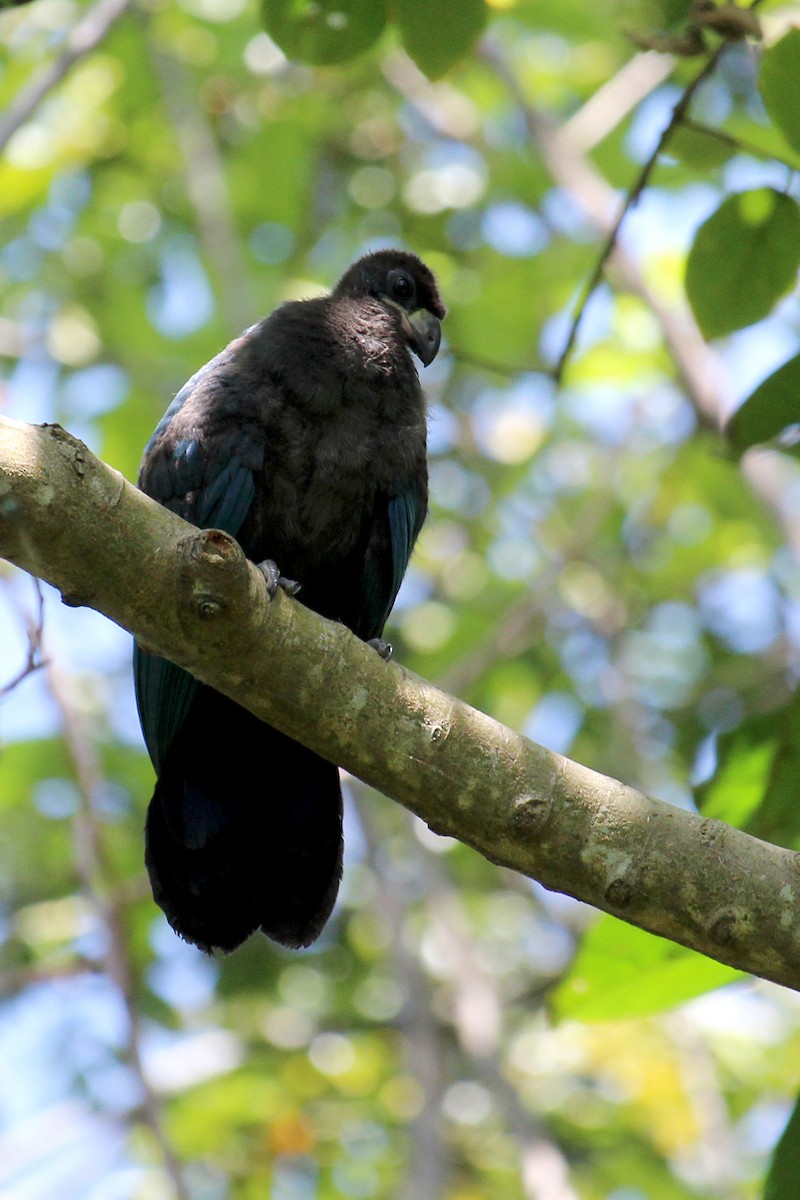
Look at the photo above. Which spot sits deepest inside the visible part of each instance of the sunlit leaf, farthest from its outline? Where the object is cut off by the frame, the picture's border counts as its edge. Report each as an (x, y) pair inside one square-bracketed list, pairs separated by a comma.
[(743, 259), (744, 760), (755, 783), (624, 972)]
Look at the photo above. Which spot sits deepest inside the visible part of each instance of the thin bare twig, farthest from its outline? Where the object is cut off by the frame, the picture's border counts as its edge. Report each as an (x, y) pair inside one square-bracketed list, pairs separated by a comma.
[(698, 367), (84, 37), (641, 182), (35, 659)]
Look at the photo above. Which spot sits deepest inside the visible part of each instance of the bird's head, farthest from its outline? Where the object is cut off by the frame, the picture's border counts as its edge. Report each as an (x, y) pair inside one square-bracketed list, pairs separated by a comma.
[(402, 282)]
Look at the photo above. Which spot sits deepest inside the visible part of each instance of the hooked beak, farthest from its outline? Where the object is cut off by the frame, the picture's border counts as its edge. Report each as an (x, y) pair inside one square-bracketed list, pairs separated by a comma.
[(423, 334)]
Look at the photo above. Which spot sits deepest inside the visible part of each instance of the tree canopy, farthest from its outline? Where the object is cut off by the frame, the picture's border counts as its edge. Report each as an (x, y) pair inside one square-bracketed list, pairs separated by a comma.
[(608, 196)]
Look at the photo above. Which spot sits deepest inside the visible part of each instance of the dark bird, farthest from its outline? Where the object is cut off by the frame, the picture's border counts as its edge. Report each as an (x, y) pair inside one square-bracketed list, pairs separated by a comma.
[(305, 439)]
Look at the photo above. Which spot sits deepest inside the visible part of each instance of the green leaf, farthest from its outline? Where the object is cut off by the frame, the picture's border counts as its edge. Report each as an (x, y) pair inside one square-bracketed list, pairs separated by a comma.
[(744, 258), (323, 32), (784, 1170), (437, 33), (771, 410), (744, 760), (699, 148), (622, 972), (780, 70), (763, 141), (755, 784)]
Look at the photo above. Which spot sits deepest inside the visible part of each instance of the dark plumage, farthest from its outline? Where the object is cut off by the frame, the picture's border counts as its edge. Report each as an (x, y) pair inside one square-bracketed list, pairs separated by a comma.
[(305, 440)]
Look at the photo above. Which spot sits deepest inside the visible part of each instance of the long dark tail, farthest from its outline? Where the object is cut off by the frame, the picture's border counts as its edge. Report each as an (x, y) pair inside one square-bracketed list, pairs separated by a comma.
[(244, 831)]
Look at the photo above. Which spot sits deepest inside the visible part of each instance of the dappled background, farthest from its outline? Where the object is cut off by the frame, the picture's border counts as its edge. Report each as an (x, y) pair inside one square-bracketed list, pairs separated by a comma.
[(600, 571)]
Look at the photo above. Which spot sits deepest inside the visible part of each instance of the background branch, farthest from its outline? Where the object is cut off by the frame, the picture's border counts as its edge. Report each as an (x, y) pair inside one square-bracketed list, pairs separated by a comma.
[(206, 187), (698, 365), (633, 194), (98, 881), (35, 657), (698, 368), (83, 38)]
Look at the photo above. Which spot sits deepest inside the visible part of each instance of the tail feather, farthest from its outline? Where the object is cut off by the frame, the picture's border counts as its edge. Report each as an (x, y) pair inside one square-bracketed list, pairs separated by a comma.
[(244, 831)]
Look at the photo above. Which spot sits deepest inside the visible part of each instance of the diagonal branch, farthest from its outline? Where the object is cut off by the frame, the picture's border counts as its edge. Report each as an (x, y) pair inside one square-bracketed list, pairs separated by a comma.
[(192, 595), (696, 363), (207, 189), (84, 37), (699, 368), (640, 183)]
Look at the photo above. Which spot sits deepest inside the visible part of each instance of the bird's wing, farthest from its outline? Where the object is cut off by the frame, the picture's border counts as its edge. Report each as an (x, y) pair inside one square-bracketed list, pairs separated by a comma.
[(209, 481), (201, 458), (164, 695), (405, 520), (398, 520)]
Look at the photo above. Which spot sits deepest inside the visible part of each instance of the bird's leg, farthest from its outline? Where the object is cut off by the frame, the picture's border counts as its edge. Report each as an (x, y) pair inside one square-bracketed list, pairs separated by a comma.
[(275, 580), (384, 649)]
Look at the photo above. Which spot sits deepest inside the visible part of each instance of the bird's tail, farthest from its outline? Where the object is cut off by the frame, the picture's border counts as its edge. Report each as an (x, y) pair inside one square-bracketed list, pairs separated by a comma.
[(244, 831)]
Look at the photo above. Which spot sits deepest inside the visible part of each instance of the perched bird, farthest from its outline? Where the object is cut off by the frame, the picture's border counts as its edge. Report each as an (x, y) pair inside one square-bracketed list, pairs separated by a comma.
[(306, 440)]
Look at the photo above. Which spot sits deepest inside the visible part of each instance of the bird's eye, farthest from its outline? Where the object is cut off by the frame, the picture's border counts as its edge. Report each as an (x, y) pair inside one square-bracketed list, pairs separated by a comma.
[(401, 286)]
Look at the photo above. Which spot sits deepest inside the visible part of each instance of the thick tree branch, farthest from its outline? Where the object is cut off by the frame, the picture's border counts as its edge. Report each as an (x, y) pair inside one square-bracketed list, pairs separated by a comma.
[(192, 595)]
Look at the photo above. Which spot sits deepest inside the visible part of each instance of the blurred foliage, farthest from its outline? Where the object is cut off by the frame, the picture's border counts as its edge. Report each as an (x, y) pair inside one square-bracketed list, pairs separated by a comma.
[(334, 31), (743, 259), (778, 72), (602, 569), (770, 413), (785, 1169)]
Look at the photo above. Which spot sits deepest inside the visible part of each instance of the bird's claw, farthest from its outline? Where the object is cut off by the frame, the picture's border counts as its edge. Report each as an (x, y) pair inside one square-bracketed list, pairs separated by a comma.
[(275, 580), (384, 649)]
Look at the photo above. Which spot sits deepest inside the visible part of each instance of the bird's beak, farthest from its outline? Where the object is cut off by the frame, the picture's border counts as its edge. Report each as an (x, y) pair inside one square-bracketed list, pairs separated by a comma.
[(423, 334)]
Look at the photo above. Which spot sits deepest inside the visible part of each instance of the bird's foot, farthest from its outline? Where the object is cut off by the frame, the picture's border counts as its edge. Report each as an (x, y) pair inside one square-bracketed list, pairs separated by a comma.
[(275, 580), (384, 649)]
